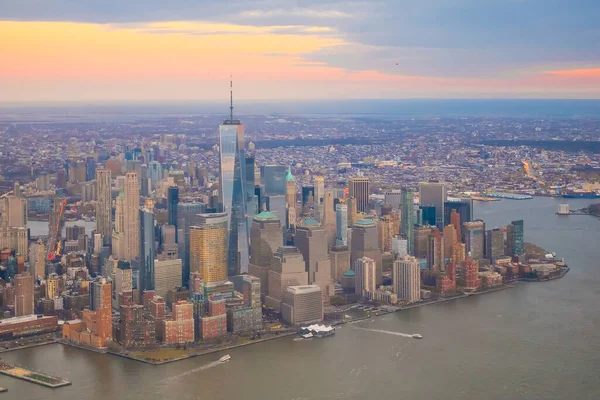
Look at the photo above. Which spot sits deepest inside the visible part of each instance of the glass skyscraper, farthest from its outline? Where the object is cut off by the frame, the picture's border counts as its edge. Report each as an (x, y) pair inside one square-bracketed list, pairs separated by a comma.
[(234, 194), (146, 250), (408, 218), (172, 201)]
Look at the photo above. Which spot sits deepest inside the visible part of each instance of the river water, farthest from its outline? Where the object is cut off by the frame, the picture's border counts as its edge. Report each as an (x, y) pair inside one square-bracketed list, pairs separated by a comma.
[(535, 341)]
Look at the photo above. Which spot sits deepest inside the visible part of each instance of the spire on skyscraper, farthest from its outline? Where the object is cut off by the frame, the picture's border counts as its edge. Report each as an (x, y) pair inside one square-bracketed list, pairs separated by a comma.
[(230, 98), (289, 177)]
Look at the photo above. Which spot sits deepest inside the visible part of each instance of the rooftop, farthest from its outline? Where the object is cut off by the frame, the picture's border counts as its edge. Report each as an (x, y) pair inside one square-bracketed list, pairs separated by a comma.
[(364, 222), (310, 222), (349, 273), (266, 215)]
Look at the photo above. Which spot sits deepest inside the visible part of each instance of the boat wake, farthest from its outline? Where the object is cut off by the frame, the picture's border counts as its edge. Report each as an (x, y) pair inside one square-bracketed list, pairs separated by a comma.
[(191, 371), (386, 332)]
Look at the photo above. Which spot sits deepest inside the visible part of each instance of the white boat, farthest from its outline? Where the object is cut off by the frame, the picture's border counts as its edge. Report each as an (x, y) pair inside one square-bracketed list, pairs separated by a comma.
[(417, 336), (225, 358), (307, 335)]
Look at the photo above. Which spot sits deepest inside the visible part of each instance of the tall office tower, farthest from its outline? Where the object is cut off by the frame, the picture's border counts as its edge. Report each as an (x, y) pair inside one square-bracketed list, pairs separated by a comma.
[(358, 187), (290, 189), (393, 198), (251, 289), (408, 218), (428, 215), (274, 179), (449, 240), (186, 213), (104, 204), (287, 269), (208, 247), (329, 219), (23, 294), (459, 252), (365, 270), (147, 252), (167, 273), (514, 238), (434, 194), (319, 185), (341, 231), (302, 305), (464, 207), (352, 213), (131, 229), (470, 270), (118, 236), (421, 242), (252, 198), (455, 221), (406, 279), (98, 319), (435, 256), (473, 233), (340, 262), (172, 202), (494, 244), (312, 243), (387, 227), (74, 231), (276, 205), (365, 243), (233, 192), (265, 238), (308, 201)]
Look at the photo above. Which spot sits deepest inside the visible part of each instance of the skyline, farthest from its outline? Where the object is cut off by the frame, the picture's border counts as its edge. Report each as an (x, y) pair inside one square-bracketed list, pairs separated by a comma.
[(305, 50)]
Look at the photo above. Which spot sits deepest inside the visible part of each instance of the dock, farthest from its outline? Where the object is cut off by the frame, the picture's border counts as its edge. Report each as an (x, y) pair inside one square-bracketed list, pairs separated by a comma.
[(32, 376)]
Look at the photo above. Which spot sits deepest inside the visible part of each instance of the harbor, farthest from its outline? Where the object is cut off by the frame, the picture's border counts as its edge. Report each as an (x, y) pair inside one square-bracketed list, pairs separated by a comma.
[(32, 376)]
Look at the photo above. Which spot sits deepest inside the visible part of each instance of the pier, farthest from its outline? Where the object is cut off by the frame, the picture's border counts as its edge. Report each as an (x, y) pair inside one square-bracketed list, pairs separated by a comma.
[(32, 376)]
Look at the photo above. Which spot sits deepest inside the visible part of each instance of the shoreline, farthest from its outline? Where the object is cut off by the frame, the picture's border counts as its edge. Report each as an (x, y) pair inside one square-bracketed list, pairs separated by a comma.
[(380, 313)]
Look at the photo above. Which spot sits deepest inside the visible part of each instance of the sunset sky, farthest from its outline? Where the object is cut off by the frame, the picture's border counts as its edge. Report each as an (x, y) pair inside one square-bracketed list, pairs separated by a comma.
[(64, 50)]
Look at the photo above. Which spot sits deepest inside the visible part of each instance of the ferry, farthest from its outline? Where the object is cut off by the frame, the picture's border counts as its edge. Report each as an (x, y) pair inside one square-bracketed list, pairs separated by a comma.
[(417, 336), (307, 335), (225, 358)]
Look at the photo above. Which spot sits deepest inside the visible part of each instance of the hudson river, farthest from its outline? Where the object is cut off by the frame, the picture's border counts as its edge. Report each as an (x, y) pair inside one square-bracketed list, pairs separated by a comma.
[(535, 341)]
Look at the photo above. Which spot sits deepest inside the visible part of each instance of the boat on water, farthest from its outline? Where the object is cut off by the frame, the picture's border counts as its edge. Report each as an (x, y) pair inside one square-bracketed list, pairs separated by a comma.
[(307, 335), (225, 358), (417, 336), (581, 194)]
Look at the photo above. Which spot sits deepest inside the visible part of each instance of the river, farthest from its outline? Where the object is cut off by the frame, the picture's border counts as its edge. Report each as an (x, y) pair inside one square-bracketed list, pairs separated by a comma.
[(535, 341)]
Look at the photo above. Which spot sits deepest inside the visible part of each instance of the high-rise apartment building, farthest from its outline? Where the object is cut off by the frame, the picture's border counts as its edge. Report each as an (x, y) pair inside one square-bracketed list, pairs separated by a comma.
[(393, 198), (406, 279), (180, 328), (408, 218), (473, 233), (147, 251), (455, 221), (359, 189), (172, 203), (104, 204), (449, 240), (421, 241), (494, 244), (98, 319), (23, 294), (265, 238), (131, 217), (233, 193), (365, 270), (208, 247), (434, 194), (470, 270), (435, 254)]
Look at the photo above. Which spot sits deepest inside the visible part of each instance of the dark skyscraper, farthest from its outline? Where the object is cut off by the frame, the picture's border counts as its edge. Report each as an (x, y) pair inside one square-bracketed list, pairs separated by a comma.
[(172, 202), (358, 187), (147, 253), (429, 215), (463, 207), (233, 194), (434, 194), (514, 238)]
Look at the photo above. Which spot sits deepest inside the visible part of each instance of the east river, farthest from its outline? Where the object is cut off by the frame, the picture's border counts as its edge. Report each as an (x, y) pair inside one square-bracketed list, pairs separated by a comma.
[(535, 341)]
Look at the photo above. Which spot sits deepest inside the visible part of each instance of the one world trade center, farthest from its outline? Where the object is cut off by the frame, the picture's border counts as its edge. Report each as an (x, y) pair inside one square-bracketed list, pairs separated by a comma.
[(233, 193)]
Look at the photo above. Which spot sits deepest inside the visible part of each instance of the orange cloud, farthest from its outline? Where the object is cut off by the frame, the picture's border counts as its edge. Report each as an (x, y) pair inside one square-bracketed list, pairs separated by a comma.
[(577, 73)]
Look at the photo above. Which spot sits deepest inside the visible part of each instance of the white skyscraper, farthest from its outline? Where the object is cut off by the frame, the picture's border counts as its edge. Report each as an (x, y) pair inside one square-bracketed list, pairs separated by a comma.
[(365, 276), (341, 216), (407, 279)]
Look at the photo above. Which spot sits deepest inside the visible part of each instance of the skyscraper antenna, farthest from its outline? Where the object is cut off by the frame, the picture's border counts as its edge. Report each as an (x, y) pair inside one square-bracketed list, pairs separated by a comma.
[(230, 98)]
